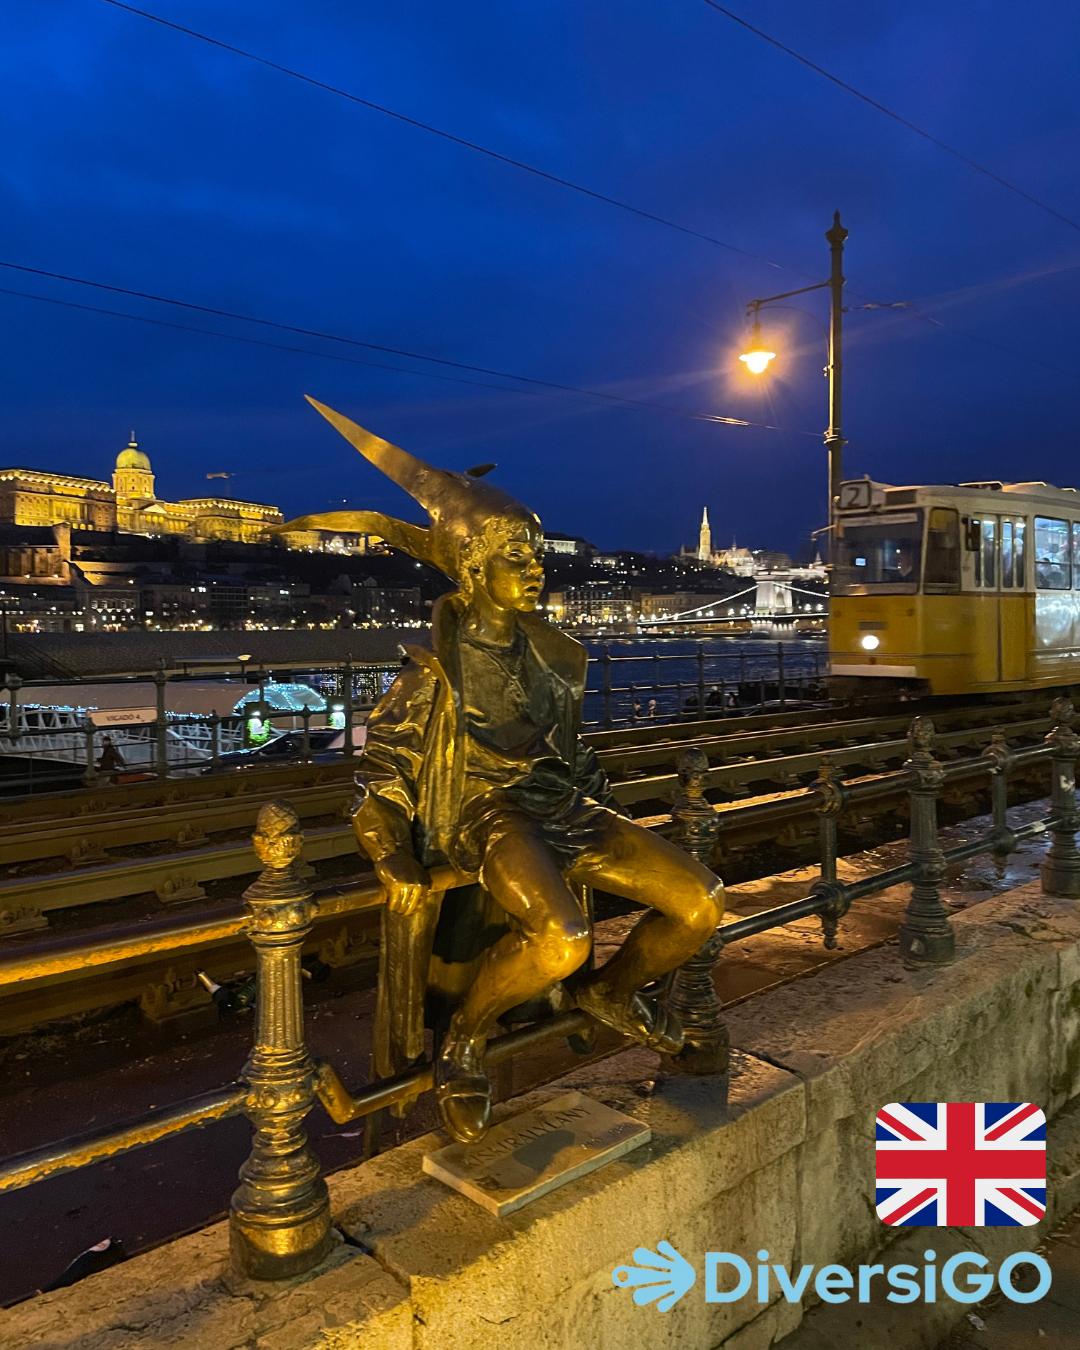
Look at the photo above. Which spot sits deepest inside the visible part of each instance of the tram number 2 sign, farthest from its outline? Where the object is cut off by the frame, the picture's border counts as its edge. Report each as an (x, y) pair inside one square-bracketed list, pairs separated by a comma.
[(856, 495)]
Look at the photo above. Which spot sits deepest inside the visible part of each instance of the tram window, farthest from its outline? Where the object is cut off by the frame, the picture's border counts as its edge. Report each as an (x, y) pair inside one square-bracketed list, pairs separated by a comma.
[(989, 540), (1012, 554), (1019, 553), (1052, 570), (942, 548), (880, 551), (1076, 552)]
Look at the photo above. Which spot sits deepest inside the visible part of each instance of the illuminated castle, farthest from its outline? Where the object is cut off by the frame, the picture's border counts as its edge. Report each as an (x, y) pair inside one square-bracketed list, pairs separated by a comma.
[(130, 506)]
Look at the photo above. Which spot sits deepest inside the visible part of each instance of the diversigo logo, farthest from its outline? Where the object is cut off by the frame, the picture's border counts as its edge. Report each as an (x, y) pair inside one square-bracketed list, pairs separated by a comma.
[(665, 1276), (939, 1164)]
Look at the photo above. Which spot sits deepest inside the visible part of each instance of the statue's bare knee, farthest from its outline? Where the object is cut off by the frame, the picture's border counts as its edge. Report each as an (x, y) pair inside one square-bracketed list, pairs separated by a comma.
[(563, 945)]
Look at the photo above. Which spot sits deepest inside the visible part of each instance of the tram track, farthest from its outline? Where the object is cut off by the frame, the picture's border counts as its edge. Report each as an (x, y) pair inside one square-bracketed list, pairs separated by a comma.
[(769, 814), (168, 841), (39, 829)]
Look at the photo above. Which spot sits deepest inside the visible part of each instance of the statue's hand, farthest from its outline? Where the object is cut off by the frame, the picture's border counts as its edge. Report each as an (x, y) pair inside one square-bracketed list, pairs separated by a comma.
[(406, 882)]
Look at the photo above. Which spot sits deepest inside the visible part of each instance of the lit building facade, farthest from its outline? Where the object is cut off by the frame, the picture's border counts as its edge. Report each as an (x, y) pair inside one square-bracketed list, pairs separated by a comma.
[(130, 505), (594, 603)]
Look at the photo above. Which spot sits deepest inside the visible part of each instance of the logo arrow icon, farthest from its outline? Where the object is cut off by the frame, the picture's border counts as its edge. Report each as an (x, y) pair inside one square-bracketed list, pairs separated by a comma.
[(667, 1274)]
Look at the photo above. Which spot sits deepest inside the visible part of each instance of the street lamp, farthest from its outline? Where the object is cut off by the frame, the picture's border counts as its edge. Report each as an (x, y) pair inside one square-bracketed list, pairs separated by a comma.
[(757, 356)]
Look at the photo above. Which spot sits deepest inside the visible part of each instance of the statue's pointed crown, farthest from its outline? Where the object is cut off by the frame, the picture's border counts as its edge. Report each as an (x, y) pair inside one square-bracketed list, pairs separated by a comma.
[(459, 506)]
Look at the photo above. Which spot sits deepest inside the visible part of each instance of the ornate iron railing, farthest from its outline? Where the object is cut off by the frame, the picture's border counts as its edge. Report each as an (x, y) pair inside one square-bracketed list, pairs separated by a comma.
[(280, 1216)]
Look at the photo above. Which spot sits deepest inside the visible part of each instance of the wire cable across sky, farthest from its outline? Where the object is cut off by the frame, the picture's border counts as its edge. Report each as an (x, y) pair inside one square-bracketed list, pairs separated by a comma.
[(542, 385), (456, 140), (881, 108), (626, 206)]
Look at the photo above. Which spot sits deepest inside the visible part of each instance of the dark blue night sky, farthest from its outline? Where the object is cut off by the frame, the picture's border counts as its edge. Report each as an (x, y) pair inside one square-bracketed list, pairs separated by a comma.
[(140, 157)]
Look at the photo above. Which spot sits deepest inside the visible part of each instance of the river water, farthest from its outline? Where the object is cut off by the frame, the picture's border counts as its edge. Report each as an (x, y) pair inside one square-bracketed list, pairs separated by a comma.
[(646, 674)]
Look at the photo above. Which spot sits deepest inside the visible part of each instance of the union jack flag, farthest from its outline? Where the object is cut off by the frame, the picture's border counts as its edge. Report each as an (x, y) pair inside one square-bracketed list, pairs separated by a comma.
[(961, 1164)]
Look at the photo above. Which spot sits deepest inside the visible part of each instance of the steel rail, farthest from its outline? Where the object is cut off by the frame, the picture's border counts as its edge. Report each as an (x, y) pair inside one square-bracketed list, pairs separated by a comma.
[(31, 841), (134, 876), (784, 767), (132, 942), (66, 1155), (816, 733), (84, 804), (107, 968)]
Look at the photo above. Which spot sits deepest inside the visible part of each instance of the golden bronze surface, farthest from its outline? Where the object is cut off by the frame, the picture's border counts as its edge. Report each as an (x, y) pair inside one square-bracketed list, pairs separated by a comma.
[(474, 759), (279, 1221)]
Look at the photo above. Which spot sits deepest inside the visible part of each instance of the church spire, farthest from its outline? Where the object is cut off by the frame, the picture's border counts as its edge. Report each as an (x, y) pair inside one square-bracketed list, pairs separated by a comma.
[(705, 538)]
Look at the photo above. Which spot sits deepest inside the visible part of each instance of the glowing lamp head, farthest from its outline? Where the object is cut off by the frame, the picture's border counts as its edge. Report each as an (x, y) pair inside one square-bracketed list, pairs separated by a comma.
[(870, 643), (756, 361), (757, 355)]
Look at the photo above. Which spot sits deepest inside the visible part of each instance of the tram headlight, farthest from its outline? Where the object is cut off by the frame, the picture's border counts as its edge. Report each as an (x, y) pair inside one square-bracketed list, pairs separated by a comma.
[(870, 643)]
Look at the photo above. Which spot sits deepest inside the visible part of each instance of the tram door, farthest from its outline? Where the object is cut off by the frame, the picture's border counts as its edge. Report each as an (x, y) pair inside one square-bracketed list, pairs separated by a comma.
[(999, 546), (987, 630), (1012, 606)]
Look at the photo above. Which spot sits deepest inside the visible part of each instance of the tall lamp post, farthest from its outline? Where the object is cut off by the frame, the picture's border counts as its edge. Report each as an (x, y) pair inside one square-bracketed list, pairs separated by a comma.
[(758, 356)]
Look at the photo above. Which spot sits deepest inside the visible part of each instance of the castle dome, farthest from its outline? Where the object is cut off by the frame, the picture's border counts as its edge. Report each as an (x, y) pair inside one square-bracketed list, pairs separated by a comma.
[(132, 458)]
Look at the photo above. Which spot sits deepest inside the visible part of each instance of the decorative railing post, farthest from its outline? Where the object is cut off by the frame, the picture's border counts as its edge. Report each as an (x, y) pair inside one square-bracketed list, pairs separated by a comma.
[(926, 936), (90, 774), (347, 711), (161, 726), (832, 798), (1000, 759), (693, 996), (14, 684), (1061, 870), (280, 1216), (605, 661)]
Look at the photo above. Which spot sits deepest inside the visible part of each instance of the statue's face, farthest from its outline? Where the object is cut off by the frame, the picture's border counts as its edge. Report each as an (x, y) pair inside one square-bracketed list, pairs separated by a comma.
[(513, 572)]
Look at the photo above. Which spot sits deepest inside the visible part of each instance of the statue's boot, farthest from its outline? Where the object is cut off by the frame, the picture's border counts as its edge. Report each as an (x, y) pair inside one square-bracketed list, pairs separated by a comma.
[(642, 1019), (463, 1091)]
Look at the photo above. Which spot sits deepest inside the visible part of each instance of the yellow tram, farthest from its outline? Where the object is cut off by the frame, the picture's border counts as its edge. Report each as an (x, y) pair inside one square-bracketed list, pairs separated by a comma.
[(954, 590)]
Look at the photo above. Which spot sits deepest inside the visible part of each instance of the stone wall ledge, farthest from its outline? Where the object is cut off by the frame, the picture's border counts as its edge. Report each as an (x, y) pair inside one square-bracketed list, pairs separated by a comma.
[(786, 1164)]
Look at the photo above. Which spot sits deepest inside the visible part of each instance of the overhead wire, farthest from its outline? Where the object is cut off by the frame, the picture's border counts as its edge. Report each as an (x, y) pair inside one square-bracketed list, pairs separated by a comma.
[(546, 385), (563, 182), (888, 112), (613, 201), (911, 308), (456, 140)]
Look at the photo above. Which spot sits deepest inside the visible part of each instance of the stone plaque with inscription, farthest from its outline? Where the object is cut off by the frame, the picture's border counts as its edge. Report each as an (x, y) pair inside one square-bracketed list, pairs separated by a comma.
[(530, 1154)]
